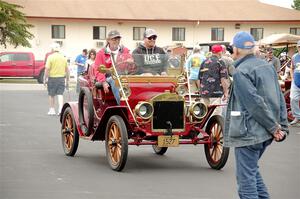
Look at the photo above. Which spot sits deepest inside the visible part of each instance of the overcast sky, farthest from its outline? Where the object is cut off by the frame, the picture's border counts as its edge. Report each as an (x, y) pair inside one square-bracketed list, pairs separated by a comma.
[(282, 3)]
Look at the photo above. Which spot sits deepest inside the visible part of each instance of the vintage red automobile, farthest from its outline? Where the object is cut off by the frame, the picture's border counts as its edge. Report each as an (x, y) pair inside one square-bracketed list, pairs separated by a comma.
[(156, 110)]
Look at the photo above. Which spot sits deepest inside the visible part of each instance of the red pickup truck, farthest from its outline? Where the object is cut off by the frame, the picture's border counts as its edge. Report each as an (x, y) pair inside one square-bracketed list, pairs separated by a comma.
[(21, 65)]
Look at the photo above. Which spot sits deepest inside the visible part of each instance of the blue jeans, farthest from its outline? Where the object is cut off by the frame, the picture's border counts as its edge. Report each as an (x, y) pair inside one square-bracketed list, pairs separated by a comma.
[(249, 180), (114, 89), (295, 97)]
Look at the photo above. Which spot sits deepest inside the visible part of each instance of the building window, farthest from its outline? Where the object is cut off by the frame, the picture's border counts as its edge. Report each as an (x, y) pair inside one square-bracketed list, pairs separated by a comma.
[(257, 33), (99, 32), (138, 33), (217, 34), (295, 31), (178, 34), (58, 32)]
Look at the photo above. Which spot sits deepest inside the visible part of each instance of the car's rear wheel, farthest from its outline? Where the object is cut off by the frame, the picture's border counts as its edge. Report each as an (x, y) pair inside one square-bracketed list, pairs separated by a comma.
[(216, 154), (40, 78), (86, 111), (69, 133), (159, 150), (116, 143)]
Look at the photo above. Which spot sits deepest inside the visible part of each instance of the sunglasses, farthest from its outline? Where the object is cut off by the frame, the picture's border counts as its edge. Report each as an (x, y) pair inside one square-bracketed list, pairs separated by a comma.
[(116, 39), (152, 37)]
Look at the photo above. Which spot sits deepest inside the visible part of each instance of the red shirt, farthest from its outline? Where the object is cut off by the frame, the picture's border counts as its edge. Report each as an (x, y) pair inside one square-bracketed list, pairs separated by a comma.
[(103, 59)]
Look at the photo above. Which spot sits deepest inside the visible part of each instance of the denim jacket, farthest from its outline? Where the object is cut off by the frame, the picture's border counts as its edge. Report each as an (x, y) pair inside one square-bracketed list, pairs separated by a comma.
[(256, 107)]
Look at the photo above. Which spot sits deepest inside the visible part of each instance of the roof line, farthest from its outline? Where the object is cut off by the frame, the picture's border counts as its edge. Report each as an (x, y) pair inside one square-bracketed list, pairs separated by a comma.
[(168, 20)]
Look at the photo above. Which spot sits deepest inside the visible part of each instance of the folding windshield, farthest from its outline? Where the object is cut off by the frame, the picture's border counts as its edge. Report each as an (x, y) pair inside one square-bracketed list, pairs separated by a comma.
[(148, 65)]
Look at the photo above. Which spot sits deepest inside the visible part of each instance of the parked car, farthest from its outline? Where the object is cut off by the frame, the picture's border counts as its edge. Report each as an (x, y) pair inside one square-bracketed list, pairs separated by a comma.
[(21, 65), (155, 110)]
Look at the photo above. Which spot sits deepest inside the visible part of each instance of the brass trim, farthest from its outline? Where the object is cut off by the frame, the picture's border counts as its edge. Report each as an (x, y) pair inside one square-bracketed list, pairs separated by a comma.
[(137, 108), (148, 79), (191, 109)]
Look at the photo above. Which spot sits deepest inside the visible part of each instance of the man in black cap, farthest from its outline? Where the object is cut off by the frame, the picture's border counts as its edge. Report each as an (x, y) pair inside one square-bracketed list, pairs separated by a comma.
[(150, 59)]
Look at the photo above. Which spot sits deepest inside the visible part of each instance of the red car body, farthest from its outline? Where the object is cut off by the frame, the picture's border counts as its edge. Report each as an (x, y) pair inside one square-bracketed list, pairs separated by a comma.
[(154, 110), (21, 65)]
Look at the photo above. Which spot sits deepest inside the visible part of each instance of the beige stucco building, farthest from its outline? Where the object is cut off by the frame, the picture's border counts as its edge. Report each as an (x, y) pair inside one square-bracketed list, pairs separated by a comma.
[(79, 24)]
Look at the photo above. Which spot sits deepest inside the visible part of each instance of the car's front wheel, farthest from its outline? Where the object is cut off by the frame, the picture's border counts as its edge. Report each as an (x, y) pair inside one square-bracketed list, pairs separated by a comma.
[(216, 154), (116, 143)]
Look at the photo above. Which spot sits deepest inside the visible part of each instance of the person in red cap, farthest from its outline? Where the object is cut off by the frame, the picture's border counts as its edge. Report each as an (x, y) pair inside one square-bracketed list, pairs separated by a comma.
[(213, 79)]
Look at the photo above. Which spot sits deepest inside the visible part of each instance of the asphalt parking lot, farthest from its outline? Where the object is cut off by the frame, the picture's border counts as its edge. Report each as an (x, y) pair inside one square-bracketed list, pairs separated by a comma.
[(33, 165)]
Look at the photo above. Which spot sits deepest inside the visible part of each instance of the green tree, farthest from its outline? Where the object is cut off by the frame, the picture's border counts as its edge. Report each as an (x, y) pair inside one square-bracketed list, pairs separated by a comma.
[(13, 26), (296, 5)]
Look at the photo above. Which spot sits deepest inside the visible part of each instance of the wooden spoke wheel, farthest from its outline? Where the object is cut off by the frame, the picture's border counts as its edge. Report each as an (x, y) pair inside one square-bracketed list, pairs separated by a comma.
[(116, 143), (69, 133), (216, 154), (159, 150)]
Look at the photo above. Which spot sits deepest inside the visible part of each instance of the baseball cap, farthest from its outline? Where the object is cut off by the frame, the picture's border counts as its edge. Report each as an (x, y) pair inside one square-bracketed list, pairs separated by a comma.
[(149, 33), (55, 46), (298, 43), (269, 50), (113, 34), (216, 49), (283, 54), (243, 40)]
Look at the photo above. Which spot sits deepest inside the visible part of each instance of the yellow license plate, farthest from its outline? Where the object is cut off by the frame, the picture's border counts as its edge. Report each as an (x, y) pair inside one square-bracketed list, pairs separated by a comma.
[(168, 141)]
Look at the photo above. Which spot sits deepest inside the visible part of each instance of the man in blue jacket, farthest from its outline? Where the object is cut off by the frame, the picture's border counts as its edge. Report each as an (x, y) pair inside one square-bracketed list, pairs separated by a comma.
[(255, 116)]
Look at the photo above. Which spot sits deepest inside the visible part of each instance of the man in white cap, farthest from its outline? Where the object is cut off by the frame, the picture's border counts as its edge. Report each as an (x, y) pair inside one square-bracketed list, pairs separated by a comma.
[(295, 87), (255, 115), (56, 76), (149, 58)]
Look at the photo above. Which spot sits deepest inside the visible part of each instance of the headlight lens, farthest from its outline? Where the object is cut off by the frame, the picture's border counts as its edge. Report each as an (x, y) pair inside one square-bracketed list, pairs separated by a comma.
[(144, 110), (198, 110), (181, 90)]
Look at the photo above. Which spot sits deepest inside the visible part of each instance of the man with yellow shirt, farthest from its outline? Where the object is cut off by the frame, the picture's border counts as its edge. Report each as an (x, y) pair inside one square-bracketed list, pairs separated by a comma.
[(56, 77)]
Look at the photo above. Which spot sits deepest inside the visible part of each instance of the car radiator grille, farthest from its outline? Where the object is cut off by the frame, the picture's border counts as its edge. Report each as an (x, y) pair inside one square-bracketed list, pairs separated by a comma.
[(164, 111)]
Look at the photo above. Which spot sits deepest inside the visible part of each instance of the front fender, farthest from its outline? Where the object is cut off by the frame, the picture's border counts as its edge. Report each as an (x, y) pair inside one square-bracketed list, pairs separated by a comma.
[(117, 110)]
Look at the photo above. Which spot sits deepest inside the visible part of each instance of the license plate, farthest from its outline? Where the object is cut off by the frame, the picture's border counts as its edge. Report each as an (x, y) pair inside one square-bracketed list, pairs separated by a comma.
[(168, 141)]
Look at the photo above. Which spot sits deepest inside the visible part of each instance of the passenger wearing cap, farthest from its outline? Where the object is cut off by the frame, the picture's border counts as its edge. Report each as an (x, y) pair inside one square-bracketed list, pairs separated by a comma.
[(56, 78), (255, 116), (295, 87), (273, 59), (112, 50), (213, 79), (149, 58)]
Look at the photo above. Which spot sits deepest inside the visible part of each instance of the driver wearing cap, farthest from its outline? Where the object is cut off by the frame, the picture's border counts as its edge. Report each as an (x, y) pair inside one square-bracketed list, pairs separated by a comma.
[(149, 58)]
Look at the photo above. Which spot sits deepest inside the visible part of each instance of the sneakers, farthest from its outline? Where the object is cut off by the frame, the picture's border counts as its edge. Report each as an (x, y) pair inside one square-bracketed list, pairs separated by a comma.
[(51, 111), (295, 121)]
